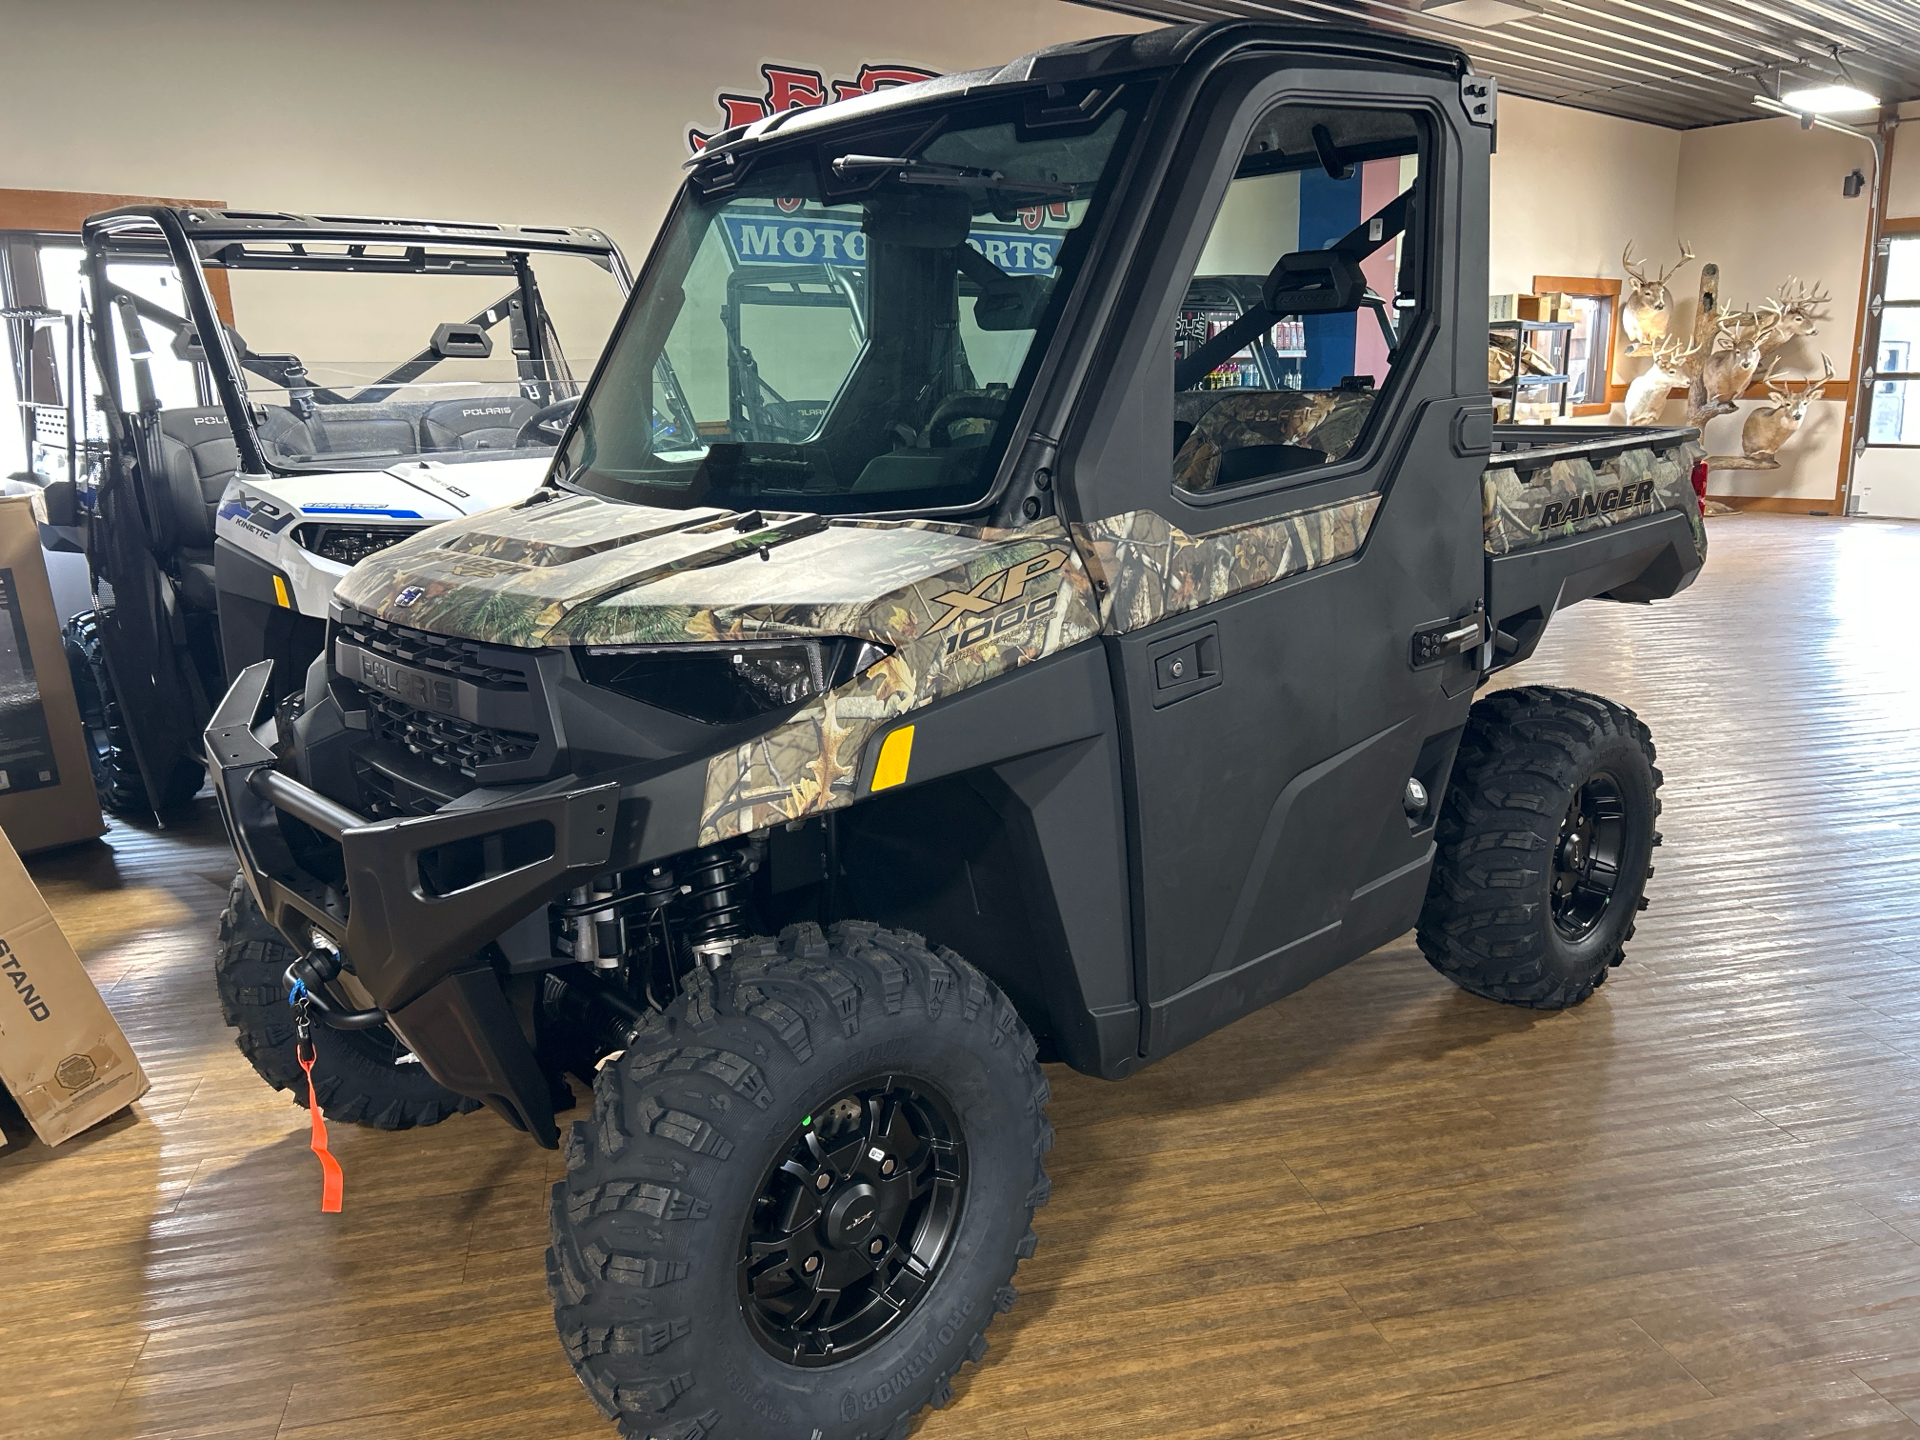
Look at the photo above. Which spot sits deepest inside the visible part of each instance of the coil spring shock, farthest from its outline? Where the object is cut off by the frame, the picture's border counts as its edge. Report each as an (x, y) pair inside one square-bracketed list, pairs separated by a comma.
[(716, 899)]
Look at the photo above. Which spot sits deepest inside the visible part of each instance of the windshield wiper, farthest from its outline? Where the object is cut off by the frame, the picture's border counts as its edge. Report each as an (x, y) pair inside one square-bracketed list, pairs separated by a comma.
[(935, 172)]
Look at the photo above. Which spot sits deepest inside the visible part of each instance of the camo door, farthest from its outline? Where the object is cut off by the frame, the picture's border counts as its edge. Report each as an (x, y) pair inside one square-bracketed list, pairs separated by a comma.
[(1313, 514)]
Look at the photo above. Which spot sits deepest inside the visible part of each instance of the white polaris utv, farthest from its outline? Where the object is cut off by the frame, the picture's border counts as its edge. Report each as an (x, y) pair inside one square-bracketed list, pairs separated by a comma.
[(285, 395)]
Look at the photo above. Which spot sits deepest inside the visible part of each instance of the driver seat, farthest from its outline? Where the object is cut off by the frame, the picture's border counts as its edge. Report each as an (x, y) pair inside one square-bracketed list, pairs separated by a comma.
[(197, 445), (485, 423)]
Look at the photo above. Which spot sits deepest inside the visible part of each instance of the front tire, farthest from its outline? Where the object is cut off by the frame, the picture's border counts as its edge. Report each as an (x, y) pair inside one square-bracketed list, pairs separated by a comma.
[(802, 1194), (116, 773), (1544, 847), (355, 1073)]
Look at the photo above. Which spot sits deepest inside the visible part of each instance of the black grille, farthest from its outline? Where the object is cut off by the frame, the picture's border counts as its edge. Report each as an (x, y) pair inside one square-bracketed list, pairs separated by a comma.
[(470, 660), (446, 740)]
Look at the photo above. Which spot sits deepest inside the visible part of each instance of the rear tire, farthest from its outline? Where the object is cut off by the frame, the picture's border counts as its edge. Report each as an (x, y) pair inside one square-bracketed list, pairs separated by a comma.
[(354, 1073), (116, 773), (763, 1161), (1544, 847)]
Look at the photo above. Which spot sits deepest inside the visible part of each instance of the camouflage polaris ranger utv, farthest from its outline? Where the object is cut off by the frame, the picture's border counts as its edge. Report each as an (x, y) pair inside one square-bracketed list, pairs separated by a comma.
[(1056, 636)]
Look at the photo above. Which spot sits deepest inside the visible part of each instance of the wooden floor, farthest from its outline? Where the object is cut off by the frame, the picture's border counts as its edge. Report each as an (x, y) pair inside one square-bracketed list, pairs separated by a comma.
[(1690, 1208)]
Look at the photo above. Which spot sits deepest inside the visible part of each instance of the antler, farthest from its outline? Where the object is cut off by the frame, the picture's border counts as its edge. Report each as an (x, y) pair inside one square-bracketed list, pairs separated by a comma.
[(1777, 390), (1796, 296), (1736, 327), (1634, 268), (1686, 254), (1668, 352)]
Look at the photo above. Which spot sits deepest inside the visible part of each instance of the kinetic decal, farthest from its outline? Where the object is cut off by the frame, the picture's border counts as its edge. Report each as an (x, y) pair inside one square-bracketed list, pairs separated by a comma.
[(1572, 496), (794, 87)]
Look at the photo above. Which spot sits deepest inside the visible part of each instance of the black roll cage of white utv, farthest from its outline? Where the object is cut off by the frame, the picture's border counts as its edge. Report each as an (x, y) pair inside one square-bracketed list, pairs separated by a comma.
[(195, 238)]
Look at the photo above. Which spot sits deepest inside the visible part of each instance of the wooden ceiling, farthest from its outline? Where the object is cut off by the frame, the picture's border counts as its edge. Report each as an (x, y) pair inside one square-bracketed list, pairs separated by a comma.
[(1680, 63)]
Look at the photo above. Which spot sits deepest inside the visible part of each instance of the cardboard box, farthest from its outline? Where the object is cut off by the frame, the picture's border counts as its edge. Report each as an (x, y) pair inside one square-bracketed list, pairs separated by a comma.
[(1513, 307), (46, 787), (62, 1055)]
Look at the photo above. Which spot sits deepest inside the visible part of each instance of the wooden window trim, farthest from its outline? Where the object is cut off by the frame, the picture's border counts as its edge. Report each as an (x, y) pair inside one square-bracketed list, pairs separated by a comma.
[(62, 212), (1598, 286)]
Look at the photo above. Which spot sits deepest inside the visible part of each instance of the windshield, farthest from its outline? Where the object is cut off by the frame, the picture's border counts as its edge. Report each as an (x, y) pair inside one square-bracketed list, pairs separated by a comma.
[(431, 352), (852, 327)]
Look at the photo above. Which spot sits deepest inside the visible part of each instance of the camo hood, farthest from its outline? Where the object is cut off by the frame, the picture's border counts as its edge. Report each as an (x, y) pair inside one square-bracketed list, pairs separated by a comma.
[(582, 570)]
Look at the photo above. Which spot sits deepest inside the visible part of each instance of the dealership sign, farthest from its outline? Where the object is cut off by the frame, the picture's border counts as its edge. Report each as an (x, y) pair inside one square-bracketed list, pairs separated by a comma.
[(793, 87), (775, 237), (790, 232)]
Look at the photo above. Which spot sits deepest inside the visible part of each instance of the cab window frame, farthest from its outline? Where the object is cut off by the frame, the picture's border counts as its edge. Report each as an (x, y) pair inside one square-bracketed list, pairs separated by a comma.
[(1307, 485)]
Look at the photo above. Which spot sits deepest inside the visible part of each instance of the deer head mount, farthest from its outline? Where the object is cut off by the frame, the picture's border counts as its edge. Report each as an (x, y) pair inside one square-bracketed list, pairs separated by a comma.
[(1797, 311), (1729, 366), (1647, 307), (1647, 395), (1771, 426)]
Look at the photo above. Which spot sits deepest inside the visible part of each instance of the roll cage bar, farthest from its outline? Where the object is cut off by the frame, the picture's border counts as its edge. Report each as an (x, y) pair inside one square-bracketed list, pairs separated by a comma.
[(195, 239)]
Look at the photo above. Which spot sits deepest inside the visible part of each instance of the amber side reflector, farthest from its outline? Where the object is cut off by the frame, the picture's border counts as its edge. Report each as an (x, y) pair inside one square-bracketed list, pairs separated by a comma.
[(895, 751), (280, 593)]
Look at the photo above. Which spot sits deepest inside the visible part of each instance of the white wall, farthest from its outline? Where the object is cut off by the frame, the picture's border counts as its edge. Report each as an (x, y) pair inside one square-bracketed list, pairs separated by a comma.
[(1571, 188), (572, 111)]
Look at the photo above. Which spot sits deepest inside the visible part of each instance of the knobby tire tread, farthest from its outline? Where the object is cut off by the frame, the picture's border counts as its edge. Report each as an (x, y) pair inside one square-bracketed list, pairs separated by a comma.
[(355, 1083), (768, 1006), (1486, 923)]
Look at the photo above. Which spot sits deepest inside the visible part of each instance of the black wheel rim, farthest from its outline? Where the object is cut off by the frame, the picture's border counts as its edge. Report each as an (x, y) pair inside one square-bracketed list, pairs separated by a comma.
[(853, 1221), (1586, 857)]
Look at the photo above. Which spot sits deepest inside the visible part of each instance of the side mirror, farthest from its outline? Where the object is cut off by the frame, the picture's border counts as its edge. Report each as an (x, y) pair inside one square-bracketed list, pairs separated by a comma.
[(1314, 282)]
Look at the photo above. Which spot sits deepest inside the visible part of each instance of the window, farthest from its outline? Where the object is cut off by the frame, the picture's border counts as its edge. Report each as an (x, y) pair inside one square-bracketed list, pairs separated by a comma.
[(851, 330), (1895, 417), (1590, 344), (1304, 295)]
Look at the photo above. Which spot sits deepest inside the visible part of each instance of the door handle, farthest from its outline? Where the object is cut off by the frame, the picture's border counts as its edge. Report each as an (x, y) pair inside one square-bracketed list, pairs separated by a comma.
[(1437, 642)]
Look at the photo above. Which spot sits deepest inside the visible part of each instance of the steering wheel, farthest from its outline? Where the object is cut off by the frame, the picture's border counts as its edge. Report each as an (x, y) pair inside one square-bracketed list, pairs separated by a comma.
[(976, 405), (545, 425)]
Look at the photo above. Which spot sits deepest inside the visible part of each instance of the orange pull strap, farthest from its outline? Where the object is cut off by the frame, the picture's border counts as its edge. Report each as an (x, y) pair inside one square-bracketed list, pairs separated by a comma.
[(333, 1180)]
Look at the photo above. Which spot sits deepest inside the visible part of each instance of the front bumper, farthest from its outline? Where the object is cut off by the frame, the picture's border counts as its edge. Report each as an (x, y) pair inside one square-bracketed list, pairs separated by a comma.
[(315, 865)]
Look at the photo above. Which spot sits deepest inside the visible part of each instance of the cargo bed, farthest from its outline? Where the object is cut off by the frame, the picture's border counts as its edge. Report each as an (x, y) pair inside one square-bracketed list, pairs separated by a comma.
[(1571, 514)]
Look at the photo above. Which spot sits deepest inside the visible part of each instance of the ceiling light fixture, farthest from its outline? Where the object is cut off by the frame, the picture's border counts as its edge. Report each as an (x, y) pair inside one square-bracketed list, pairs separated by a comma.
[(1829, 99), (1478, 13), (1822, 96)]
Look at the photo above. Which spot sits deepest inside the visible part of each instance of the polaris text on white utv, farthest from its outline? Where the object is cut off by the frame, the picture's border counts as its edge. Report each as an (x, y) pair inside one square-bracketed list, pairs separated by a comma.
[(286, 395)]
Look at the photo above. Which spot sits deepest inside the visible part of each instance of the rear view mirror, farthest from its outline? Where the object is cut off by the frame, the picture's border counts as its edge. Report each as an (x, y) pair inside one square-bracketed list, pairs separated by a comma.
[(930, 219), (1314, 282), (461, 341), (1010, 304)]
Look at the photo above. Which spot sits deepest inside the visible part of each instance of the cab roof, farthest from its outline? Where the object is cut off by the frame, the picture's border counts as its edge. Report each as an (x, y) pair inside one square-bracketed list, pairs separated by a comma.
[(1105, 57)]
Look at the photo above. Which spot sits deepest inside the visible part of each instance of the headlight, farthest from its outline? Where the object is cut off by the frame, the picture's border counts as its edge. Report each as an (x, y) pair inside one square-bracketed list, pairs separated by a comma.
[(350, 544), (724, 684)]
